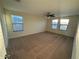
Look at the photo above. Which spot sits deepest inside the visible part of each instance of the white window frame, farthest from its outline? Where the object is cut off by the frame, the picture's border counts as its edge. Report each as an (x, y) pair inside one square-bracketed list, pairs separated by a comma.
[(64, 24), (17, 23), (55, 20)]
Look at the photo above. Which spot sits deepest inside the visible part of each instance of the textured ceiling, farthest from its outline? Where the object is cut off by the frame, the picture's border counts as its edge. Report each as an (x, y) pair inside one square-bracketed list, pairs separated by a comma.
[(40, 7)]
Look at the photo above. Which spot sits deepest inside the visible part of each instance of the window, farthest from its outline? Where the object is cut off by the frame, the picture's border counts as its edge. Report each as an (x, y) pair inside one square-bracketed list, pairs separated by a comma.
[(64, 24), (54, 24), (17, 22)]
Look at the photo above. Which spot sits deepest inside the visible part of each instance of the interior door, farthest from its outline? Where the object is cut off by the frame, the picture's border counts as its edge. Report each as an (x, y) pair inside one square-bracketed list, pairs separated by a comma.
[(2, 45)]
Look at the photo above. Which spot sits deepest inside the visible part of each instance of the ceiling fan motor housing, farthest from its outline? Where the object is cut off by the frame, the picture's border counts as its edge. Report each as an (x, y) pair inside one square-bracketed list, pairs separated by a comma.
[(50, 15)]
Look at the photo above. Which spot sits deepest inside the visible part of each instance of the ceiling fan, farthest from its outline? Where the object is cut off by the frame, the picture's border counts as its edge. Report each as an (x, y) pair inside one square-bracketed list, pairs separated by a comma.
[(49, 14)]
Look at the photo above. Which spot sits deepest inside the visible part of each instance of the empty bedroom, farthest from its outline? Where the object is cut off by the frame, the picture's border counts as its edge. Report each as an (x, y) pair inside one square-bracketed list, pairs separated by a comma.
[(40, 29)]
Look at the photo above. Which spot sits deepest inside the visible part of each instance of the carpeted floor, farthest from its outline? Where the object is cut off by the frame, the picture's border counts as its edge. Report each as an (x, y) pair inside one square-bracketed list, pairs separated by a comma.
[(41, 46)]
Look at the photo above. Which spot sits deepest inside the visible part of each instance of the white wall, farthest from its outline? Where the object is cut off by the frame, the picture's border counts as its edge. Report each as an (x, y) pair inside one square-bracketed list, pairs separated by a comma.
[(2, 46), (32, 24), (3, 24), (75, 54), (5, 32), (77, 43)]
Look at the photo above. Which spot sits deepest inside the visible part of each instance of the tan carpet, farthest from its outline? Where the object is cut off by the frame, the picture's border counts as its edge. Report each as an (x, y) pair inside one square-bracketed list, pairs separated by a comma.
[(41, 46)]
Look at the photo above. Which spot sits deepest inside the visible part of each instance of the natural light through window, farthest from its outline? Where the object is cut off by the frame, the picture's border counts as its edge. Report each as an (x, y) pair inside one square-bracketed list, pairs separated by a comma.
[(54, 24), (64, 24), (17, 22)]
